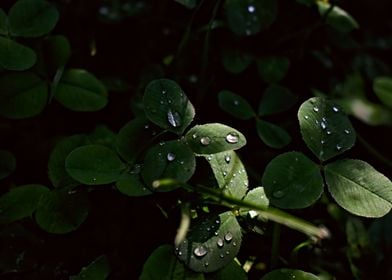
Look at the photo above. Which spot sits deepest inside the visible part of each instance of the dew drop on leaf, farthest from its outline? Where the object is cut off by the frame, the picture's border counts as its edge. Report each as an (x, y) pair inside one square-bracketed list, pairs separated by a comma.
[(323, 125), (316, 109), (173, 118), (329, 132), (338, 147), (205, 141), (306, 117), (228, 236), (200, 251), (347, 131), (219, 242), (194, 136), (170, 156), (236, 102), (227, 159), (251, 9), (335, 109), (232, 138), (278, 194)]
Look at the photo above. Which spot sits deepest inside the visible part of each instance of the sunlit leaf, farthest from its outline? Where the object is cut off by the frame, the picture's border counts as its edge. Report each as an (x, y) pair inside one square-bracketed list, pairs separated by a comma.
[(167, 106), (213, 138), (359, 188), (235, 105), (32, 18), (211, 243), (326, 130), (20, 202), (292, 181)]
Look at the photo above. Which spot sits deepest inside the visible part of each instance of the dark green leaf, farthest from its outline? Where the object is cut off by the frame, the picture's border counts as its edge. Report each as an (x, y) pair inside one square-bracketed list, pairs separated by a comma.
[(190, 4), (171, 159), (15, 56), (61, 212), (79, 90), (133, 138), (235, 61), (229, 173), (20, 202), (102, 135), (167, 106), (232, 271), (32, 18), (162, 264), (272, 69), (286, 274), (272, 135), (3, 23), (337, 18), (7, 164), (359, 188), (235, 105), (131, 184), (326, 130), (213, 138), (211, 243), (258, 197), (22, 95), (306, 2), (94, 165), (248, 17), (58, 50), (292, 181), (382, 86), (56, 165), (99, 269), (276, 99)]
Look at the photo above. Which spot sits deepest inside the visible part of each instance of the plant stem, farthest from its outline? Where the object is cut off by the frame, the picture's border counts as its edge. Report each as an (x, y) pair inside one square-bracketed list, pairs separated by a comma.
[(275, 246)]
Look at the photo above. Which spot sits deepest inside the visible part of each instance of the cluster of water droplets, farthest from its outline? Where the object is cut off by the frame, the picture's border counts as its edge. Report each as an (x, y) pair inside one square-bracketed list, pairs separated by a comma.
[(231, 138)]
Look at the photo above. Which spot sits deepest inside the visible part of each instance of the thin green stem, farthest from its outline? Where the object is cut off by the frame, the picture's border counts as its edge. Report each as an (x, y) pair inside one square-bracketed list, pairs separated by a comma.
[(275, 246)]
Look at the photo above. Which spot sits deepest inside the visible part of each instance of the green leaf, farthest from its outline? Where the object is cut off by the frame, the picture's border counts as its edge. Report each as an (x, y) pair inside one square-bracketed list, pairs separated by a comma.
[(272, 135), (102, 135), (326, 130), (249, 17), (162, 264), (286, 274), (211, 243), (80, 90), (94, 165), (273, 69), (58, 50), (257, 196), (359, 188), (61, 212), (131, 184), (213, 138), (32, 18), (292, 181), (232, 271), (172, 159), (276, 99), (190, 4), (382, 86), (133, 138), (3, 23), (235, 61), (22, 95), (229, 173), (7, 164), (15, 56), (337, 18), (20, 202), (167, 106), (58, 175), (235, 105), (99, 269)]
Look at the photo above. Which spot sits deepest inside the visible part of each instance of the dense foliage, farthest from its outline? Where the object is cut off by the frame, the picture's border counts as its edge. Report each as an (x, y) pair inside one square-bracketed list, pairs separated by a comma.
[(194, 139)]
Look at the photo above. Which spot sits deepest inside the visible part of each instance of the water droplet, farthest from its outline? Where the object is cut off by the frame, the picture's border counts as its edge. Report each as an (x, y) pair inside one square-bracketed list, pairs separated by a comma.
[(322, 141), (221, 256), (236, 102), (182, 162), (217, 222), (200, 251), (278, 194), (205, 141), (316, 109), (338, 147), (232, 138), (146, 126), (228, 236), (170, 156), (194, 136), (94, 179), (329, 132), (180, 253), (227, 159), (234, 244), (251, 9), (216, 233), (323, 125), (227, 253), (161, 102), (335, 109), (173, 118), (206, 264), (306, 117), (224, 173), (161, 143), (163, 91), (219, 242), (209, 158), (347, 131), (169, 101)]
